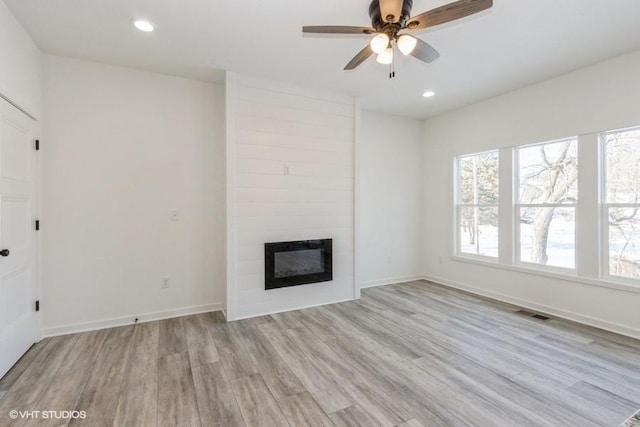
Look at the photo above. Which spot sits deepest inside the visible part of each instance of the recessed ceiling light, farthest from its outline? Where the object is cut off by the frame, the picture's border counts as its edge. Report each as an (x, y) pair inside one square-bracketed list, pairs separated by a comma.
[(143, 25), (429, 94)]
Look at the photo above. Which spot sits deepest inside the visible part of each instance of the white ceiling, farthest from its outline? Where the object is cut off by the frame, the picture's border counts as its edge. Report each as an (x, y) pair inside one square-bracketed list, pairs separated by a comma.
[(517, 43)]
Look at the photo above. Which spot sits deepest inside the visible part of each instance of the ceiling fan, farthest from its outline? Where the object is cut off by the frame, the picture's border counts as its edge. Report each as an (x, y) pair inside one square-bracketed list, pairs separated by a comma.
[(389, 18)]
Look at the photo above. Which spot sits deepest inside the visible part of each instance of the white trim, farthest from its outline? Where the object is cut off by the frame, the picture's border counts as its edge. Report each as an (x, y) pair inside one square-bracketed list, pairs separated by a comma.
[(554, 275), (129, 320), (17, 107), (230, 194), (545, 309), (383, 282), (356, 199), (506, 185), (268, 313), (38, 215)]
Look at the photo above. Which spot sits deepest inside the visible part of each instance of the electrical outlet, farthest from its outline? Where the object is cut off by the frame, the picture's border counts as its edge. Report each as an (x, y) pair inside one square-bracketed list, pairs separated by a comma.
[(389, 259), (286, 170), (164, 282)]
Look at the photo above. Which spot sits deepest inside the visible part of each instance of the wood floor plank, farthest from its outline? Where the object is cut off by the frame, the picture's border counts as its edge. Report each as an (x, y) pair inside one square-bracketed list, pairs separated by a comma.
[(72, 376), (597, 411), (37, 377), (232, 349), (602, 398), (216, 402), (172, 338), (21, 365), (256, 402), (362, 384), (301, 410), (200, 344), (276, 373), (177, 403), (506, 393), (286, 320), (138, 401), (314, 377), (101, 393), (429, 398), (411, 423), (353, 416)]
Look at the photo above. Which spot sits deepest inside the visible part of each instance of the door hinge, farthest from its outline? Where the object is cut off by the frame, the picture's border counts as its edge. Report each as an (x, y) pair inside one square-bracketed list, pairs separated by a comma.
[(37, 145), (37, 224), (37, 305)]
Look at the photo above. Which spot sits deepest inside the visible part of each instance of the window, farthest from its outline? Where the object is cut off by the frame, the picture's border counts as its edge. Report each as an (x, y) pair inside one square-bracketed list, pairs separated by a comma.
[(621, 155), (477, 204), (547, 196)]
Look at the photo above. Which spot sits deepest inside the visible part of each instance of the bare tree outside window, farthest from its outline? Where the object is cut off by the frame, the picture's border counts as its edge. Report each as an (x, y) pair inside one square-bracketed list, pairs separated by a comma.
[(478, 204), (548, 194), (622, 201)]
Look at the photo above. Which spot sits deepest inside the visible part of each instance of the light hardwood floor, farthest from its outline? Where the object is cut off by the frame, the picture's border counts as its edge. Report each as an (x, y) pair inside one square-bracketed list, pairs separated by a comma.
[(413, 354)]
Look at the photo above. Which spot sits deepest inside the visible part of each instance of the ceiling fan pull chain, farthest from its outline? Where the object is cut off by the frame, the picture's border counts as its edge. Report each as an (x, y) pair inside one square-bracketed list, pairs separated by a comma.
[(392, 66)]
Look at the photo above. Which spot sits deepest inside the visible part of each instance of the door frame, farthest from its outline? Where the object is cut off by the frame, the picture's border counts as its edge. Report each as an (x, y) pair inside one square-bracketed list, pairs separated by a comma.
[(37, 202)]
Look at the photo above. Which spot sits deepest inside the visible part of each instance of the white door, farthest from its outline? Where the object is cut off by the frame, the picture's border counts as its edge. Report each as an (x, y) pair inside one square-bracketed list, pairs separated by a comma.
[(18, 319)]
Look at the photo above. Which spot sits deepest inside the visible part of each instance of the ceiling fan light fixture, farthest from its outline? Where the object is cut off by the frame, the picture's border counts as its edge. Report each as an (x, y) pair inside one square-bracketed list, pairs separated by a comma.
[(386, 57), (380, 43), (406, 44)]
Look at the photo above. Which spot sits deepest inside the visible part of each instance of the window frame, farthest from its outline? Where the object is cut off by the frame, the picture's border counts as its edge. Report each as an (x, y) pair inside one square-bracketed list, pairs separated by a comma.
[(458, 206), (517, 207), (605, 206)]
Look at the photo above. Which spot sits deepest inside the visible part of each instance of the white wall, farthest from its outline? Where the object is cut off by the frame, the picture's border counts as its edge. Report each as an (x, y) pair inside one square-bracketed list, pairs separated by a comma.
[(270, 125), (20, 67), (601, 97), (123, 148), (390, 163)]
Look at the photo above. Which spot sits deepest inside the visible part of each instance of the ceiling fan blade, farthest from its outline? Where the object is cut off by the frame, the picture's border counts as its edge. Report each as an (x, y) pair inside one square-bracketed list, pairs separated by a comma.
[(425, 52), (362, 56), (447, 13), (391, 10), (337, 29)]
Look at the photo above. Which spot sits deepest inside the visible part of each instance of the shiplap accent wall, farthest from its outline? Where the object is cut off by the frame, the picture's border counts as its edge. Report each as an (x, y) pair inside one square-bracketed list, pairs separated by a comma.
[(271, 127)]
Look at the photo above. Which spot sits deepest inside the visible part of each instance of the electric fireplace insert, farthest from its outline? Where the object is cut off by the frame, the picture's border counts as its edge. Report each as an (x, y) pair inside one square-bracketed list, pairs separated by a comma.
[(297, 263)]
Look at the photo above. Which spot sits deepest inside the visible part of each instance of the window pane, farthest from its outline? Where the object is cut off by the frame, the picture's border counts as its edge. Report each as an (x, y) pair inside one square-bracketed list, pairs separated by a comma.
[(624, 242), (479, 231), (487, 172), (623, 166), (466, 187), (547, 236), (548, 173), (478, 179)]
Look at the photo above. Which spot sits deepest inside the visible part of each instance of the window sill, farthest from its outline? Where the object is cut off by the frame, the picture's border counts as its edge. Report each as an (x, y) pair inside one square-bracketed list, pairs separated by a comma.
[(626, 287)]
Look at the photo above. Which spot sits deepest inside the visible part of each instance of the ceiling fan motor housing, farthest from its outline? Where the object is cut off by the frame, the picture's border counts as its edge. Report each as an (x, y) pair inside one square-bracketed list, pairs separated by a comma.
[(381, 23)]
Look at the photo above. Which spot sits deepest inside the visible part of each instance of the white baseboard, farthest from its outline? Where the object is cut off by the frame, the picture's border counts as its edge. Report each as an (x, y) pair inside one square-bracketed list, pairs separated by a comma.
[(545, 309), (383, 282), (251, 316), (129, 320)]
